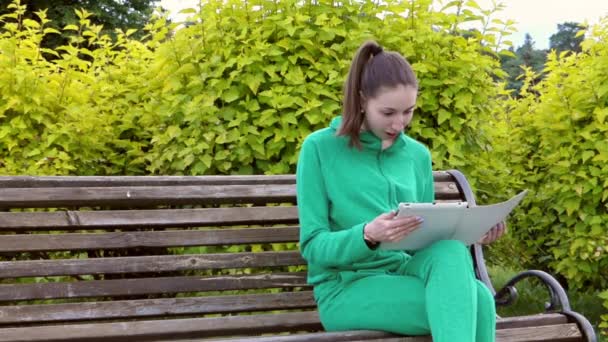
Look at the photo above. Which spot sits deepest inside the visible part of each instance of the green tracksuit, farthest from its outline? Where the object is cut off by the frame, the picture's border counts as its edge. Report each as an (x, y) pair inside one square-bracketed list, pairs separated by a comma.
[(339, 190)]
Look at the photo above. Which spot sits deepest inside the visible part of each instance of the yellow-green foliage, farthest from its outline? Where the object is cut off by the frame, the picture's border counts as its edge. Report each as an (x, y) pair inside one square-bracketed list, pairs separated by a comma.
[(245, 82), (604, 318), (238, 89), (234, 92), (71, 115), (559, 149)]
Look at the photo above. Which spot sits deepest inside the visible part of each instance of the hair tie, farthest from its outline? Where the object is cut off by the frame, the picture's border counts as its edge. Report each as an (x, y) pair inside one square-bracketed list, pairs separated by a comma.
[(377, 50)]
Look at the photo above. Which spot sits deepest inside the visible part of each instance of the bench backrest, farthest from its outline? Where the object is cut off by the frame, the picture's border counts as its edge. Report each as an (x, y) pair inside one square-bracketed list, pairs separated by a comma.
[(100, 248)]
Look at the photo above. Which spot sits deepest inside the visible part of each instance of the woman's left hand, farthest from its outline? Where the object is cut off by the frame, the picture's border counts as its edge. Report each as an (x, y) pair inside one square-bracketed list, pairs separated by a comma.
[(493, 234)]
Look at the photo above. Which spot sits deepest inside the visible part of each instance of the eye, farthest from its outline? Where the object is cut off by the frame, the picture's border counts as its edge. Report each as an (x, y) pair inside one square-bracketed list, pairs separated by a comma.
[(388, 113)]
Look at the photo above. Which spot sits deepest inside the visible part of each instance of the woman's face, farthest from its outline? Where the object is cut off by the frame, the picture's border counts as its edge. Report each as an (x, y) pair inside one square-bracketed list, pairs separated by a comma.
[(389, 112)]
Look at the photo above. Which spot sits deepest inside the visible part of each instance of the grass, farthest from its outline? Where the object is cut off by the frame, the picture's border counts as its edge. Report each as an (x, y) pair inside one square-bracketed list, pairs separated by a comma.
[(533, 296)]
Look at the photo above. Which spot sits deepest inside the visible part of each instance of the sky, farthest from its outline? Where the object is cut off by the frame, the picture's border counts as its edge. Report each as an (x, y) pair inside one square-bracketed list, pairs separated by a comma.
[(539, 18)]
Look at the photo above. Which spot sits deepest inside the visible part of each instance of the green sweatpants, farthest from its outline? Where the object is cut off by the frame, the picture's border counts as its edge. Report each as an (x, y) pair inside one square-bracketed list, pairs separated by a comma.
[(437, 295)]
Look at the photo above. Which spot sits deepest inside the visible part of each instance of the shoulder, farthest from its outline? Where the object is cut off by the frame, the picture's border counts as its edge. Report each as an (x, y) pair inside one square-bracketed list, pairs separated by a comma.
[(416, 148), (321, 135), (325, 138)]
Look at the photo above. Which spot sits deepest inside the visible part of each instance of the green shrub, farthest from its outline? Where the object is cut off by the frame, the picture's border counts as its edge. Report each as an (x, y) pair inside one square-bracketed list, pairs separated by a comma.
[(559, 149), (71, 115)]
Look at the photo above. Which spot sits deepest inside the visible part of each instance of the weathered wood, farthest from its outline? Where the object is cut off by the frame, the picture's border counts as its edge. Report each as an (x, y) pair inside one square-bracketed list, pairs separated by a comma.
[(531, 321), (544, 333), (185, 238), (553, 333), (125, 310), (113, 181), (163, 307), (167, 329), (149, 196), (176, 329), (145, 196), (144, 286), (156, 218), (147, 264), (337, 336)]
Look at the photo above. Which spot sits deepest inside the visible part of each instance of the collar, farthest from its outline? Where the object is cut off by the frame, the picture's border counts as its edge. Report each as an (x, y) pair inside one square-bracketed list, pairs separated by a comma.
[(370, 141)]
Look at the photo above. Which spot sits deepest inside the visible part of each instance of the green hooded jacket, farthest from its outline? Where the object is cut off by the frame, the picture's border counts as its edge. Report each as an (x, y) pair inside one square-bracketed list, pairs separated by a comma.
[(340, 189)]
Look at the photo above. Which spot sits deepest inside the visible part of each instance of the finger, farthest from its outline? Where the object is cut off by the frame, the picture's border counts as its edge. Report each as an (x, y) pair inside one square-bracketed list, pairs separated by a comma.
[(410, 226), (489, 235), (484, 239), (497, 233), (403, 232), (407, 232), (502, 231), (390, 215), (408, 221)]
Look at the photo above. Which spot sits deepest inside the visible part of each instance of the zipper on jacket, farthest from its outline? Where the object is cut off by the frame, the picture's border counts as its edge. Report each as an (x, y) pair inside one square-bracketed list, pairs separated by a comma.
[(388, 182)]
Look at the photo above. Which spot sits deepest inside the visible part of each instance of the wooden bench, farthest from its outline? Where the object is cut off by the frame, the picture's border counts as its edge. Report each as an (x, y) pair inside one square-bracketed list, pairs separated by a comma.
[(187, 258)]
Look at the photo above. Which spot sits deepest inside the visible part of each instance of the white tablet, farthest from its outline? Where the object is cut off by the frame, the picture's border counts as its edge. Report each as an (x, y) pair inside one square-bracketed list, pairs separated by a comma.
[(440, 221), (406, 208)]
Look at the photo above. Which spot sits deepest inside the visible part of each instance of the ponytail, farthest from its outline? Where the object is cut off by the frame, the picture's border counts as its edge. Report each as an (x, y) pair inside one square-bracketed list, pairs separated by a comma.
[(371, 69), (352, 117)]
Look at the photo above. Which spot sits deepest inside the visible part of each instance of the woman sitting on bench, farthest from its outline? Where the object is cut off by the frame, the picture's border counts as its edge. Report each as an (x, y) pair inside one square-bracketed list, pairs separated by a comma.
[(350, 176)]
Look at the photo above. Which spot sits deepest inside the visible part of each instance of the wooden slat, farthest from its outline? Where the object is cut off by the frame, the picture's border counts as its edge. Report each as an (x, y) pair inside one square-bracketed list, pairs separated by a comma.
[(150, 195), (157, 218), (165, 307), (337, 336), (545, 333), (164, 195), (177, 329), (447, 191), (168, 329), (531, 321), (143, 286), (553, 333), (144, 196), (147, 264), (112, 181), (79, 242)]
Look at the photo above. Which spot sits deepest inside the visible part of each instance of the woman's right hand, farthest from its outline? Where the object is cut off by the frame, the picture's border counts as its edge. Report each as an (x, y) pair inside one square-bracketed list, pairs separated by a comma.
[(389, 227)]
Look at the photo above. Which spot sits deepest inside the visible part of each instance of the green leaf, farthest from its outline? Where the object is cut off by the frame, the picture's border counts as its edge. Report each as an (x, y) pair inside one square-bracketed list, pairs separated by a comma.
[(187, 11), (231, 94), (443, 116), (71, 27), (587, 155), (207, 160), (51, 30), (31, 23)]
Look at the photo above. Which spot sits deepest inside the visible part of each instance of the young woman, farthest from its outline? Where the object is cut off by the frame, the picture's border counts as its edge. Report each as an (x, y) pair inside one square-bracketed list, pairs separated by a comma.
[(350, 178)]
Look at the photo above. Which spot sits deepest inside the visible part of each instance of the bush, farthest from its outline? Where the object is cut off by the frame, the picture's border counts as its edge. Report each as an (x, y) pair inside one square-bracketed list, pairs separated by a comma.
[(559, 149)]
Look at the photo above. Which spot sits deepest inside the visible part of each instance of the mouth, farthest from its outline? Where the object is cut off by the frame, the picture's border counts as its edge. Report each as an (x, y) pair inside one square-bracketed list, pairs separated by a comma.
[(391, 135)]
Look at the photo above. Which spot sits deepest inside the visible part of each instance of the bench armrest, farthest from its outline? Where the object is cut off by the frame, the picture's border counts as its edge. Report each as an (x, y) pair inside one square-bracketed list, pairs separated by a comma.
[(558, 297)]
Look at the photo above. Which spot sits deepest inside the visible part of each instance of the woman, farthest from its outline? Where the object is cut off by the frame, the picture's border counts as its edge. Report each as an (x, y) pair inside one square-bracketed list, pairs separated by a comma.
[(350, 177)]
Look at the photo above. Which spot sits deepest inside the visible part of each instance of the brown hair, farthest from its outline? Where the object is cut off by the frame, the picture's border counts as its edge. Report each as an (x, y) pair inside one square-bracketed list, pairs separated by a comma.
[(371, 69)]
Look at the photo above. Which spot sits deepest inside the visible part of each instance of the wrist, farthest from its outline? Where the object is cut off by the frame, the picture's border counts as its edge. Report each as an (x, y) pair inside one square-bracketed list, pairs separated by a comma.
[(370, 241)]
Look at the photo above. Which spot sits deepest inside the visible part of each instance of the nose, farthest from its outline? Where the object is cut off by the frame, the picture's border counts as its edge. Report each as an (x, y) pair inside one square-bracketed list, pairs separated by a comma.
[(398, 123)]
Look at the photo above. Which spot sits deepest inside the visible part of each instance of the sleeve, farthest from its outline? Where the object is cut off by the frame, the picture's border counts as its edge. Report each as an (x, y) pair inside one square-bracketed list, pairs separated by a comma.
[(318, 244), (428, 194)]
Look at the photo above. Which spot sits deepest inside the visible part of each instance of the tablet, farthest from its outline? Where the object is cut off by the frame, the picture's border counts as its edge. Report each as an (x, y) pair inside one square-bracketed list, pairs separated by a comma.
[(440, 222)]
